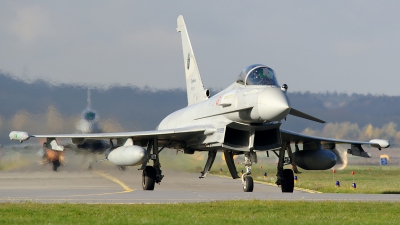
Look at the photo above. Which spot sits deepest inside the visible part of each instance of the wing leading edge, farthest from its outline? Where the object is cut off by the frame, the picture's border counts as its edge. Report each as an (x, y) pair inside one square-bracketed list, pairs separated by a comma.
[(290, 136), (174, 134), (295, 112)]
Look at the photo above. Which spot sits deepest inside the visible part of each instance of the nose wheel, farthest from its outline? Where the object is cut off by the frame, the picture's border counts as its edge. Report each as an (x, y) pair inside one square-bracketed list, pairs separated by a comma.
[(247, 180), (248, 184)]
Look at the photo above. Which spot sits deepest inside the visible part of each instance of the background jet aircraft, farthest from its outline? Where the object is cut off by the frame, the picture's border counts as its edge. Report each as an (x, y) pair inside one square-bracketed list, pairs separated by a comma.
[(89, 123), (86, 125), (243, 119)]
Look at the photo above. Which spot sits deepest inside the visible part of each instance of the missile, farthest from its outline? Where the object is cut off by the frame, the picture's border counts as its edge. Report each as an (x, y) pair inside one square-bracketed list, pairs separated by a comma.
[(131, 155), (315, 159), (19, 136), (379, 143)]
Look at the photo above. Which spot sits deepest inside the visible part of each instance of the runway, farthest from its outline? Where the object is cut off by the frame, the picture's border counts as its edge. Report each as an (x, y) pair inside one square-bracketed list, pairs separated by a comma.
[(110, 185)]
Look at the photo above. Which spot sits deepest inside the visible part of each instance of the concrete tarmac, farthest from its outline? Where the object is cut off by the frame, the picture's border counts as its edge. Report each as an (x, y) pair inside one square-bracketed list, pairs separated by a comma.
[(110, 185)]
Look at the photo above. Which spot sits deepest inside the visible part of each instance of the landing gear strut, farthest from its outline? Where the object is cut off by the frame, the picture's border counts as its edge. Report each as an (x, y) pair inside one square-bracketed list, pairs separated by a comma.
[(151, 174), (247, 180)]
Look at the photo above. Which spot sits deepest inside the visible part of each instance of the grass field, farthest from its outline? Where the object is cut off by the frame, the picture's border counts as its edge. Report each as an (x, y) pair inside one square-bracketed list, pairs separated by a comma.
[(229, 212)]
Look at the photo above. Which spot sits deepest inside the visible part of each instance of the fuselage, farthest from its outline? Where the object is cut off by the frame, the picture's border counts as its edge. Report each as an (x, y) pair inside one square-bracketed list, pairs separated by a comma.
[(251, 104), (88, 124), (244, 116)]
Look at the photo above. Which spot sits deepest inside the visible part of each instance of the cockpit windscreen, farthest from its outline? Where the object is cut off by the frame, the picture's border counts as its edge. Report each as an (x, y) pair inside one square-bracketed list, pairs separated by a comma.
[(257, 74), (90, 115)]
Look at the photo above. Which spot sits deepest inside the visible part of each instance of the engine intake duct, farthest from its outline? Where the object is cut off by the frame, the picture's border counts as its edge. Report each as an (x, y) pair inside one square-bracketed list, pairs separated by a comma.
[(236, 138), (267, 139)]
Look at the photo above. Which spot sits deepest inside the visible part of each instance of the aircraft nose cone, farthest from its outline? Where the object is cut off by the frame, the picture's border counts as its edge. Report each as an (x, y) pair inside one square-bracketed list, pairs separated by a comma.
[(273, 105)]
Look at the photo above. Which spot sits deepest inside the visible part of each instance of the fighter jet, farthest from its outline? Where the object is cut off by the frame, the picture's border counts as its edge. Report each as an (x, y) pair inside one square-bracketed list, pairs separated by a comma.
[(86, 125), (89, 124), (243, 119)]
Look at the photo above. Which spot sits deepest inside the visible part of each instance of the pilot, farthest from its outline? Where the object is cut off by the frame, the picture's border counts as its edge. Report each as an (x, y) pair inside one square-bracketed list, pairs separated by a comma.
[(259, 77), (267, 76), (255, 76)]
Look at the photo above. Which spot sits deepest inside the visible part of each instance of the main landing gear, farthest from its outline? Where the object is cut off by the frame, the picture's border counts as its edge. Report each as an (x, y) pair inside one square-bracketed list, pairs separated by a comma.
[(287, 182), (285, 177), (151, 174), (148, 178)]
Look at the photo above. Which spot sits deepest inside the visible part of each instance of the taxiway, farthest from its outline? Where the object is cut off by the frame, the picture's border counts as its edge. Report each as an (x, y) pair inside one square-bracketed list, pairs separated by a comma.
[(110, 185)]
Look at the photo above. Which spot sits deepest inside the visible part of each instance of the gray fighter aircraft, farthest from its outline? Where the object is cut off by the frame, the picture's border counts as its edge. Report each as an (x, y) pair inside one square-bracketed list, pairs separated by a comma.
[(245, 118), (89, 123)]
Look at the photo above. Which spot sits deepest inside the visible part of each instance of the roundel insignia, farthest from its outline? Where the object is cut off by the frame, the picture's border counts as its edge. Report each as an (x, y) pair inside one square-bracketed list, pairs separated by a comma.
[(218, 100), (188, 61)]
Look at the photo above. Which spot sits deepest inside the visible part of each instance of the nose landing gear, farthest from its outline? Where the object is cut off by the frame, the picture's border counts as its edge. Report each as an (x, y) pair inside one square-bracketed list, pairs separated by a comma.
[(247, 180)]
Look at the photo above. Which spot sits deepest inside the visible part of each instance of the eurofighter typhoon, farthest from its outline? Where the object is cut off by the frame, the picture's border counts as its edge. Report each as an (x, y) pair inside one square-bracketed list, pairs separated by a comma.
[(243, 119), (86, 125)]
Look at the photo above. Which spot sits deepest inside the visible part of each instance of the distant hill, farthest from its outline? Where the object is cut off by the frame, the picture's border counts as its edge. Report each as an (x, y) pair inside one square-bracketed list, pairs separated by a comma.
[(135, 108), (358, 108), (355, 108)]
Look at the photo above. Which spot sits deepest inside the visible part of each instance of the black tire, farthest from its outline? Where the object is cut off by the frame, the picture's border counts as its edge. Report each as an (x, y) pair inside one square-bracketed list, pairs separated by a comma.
[(288, 181), (148, 178), (56, 164), (248, 185)]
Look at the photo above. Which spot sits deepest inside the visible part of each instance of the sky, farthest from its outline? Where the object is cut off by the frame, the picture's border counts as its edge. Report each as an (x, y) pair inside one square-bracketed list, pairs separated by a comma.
[(317, 46)]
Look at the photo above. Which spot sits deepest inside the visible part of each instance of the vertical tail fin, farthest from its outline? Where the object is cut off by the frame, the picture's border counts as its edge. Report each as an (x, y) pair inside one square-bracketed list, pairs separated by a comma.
[(89, 101), (194, 85)]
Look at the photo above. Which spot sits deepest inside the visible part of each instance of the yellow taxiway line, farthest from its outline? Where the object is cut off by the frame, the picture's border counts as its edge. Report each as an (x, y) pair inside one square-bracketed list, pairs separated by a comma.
[(113, 179)]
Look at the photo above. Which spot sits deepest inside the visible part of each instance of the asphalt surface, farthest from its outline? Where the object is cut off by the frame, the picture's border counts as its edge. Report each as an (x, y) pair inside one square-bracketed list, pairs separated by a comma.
[(108, 184)]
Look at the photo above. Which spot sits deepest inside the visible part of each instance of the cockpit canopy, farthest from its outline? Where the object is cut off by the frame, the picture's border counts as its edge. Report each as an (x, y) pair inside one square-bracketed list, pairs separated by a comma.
[(257, 74), (89, 115)]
